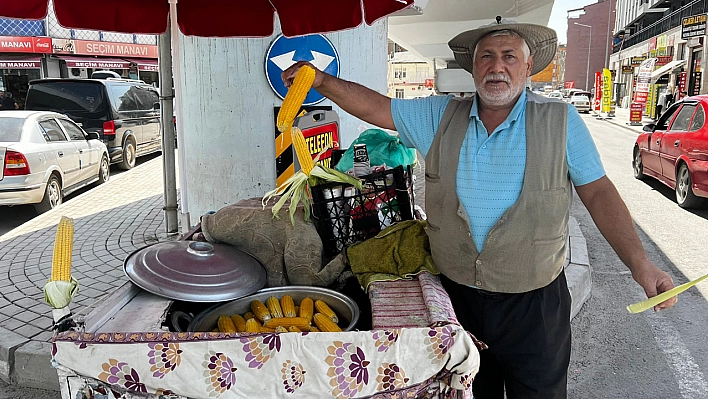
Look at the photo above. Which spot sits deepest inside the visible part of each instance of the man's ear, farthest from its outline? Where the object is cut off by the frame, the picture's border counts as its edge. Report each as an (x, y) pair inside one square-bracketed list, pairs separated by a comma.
[(529, 65)]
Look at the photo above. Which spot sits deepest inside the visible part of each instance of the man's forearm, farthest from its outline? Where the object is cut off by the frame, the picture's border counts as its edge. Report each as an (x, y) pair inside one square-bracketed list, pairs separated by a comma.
[(362, 102), (612, 218)]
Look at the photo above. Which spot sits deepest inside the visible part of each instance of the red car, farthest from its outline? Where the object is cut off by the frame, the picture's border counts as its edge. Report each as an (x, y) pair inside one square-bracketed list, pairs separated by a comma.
[(675, 151)]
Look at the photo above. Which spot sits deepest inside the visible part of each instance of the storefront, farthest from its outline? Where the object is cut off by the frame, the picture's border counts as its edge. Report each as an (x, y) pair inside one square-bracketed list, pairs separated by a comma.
[(145, 69), (20, 62)]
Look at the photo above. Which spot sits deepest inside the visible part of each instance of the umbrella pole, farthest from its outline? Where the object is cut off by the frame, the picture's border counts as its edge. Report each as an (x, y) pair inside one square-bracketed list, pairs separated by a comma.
[(176, 65), (168, 133)]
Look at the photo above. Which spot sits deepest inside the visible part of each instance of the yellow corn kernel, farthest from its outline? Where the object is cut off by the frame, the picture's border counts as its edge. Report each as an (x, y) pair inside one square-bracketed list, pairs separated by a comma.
[(322, 307), (295, 97), (281, 329), (252, 326), (325, 324), (314, 329), (294, 329), (239, 322), (248, 315), (302, 151), (226, 324), (63, 245), (288, 306), (260, 311), (298, 322), (274, 307), (266, 330), (306, 308)]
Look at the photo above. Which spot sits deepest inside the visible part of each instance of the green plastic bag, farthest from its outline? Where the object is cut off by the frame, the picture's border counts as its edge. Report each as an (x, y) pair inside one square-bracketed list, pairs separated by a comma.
[(382, 147)]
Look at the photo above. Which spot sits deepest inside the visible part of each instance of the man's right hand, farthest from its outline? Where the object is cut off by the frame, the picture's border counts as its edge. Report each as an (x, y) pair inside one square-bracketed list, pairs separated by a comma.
[(289, 74)]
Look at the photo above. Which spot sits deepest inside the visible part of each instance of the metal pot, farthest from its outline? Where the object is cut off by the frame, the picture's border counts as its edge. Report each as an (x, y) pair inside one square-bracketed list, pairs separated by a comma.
[(345, 307)]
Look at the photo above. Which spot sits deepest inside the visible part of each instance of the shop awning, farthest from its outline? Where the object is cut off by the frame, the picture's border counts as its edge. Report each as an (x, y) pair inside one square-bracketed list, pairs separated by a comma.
[(20, 61), (666, 69), (95, 63), (144, 64)]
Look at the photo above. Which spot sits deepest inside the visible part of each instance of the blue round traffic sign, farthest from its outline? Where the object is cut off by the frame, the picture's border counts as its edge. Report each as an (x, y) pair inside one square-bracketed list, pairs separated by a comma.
[(284, 52)]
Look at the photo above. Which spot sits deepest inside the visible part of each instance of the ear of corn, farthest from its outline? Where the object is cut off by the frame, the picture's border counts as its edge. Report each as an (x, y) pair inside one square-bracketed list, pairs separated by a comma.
[(298, 322), (306, 309), (61, 287), (252, 326), (266, 330), (63, 245), (260, 311), (302, 151), (274, 307), (248, 315), (295, 97), (226, 324), (281, 329), (294, 329), (325, 324), (239, 322), (323, 308), (288, 306), (314, 329)]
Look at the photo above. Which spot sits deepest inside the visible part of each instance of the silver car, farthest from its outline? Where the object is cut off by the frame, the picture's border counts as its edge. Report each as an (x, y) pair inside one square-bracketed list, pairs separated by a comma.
[(45, 156), (581, 103)]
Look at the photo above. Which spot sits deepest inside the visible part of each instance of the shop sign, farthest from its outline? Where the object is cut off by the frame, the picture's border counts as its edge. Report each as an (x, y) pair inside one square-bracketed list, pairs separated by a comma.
[(652, 44), (695, 42), (671, 40), (643, 80), (569, 84), (652, 54), (63, 46), (429, 83), (661, 52), (635, 112), (598, 91), (87, 47), (663, 60), (695, 88), (627, 69), (20, 64), (693, 26), (636, 61), (651, 101), (661, 41), (606, 90), (25, 44), (681, 85)]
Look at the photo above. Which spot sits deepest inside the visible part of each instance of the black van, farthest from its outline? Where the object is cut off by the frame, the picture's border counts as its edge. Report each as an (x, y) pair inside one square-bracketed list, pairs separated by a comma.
[(125, 113)]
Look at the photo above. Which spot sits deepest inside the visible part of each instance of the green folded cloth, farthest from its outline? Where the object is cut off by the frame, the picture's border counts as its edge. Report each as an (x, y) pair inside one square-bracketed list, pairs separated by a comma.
[(398, 252)]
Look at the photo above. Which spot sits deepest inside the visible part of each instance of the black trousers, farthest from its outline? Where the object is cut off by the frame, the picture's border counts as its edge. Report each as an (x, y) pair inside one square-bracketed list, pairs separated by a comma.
[(528, 335)]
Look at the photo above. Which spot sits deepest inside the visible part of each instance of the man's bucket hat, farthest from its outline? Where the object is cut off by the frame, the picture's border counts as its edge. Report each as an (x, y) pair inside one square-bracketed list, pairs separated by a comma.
[(542, 42)]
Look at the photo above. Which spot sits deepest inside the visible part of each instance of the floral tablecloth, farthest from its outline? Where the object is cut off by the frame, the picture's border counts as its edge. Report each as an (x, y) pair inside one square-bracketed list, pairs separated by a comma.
[(386, 363)]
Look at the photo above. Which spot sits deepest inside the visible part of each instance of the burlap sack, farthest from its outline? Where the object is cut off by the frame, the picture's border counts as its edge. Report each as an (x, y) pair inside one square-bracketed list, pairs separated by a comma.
[(292, 255)]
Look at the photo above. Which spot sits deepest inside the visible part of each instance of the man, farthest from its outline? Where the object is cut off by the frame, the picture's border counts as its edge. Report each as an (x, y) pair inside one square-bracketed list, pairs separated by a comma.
[(499, 168), (8, 102)]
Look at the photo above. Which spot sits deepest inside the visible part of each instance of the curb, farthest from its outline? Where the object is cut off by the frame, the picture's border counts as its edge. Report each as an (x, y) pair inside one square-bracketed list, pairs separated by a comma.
[(578, 271)]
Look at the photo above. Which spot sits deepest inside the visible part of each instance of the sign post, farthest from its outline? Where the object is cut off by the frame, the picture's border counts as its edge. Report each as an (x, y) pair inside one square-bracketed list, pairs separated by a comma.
[(635, 114), (597, 97)]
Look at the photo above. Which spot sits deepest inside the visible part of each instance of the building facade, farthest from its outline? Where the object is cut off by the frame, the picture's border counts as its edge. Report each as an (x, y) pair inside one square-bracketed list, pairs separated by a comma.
[(673, 33), (43, 49), (589, 43), (408, 76)]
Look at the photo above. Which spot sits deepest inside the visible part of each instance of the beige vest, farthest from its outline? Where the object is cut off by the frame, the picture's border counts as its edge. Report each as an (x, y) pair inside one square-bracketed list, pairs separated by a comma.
[(526, 248)]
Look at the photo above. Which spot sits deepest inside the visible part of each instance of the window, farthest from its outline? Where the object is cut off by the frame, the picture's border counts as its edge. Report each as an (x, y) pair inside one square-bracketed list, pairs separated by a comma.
[(123, 97), (400, 93), (698, 119), (147, 99), (399, 73), (52, 131), (75, 133), (684, 116), (665, 118), (11, 129)]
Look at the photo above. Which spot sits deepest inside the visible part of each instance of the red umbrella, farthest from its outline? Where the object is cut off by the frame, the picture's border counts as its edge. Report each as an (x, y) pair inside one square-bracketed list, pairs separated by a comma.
[(218, 18)]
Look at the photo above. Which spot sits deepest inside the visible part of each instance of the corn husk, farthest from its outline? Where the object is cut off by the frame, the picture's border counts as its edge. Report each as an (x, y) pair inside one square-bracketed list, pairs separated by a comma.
[(653, 301), (58, 293)]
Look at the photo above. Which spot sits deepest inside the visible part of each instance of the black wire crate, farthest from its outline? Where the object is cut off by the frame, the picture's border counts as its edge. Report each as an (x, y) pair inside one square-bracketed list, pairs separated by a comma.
[(344, 215)]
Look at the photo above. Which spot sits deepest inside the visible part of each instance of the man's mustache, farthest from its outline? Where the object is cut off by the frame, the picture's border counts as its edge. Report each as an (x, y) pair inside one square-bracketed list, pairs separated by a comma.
[(497, 77)]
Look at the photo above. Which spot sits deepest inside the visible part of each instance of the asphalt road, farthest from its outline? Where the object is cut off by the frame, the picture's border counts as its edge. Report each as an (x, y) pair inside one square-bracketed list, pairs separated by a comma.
[(649, 355)]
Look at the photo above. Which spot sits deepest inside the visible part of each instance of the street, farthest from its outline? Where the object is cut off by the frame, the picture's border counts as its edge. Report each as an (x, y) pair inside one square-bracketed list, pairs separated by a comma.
[(615, 354), (649, 355)]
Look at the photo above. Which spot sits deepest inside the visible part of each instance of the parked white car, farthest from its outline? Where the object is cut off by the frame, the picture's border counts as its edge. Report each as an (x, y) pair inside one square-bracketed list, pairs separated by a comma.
[(45, 156), (581, 103), (555, 94)]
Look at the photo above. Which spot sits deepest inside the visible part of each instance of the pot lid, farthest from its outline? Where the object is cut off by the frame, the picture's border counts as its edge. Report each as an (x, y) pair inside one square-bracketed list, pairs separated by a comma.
[(195, 271)]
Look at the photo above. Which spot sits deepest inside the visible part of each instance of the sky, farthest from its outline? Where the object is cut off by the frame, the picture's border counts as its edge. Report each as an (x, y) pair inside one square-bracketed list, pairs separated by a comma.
[(559, 16)]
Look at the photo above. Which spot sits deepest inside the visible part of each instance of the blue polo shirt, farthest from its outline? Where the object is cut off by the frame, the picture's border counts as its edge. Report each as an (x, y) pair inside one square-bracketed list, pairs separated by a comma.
[(490, 173)]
